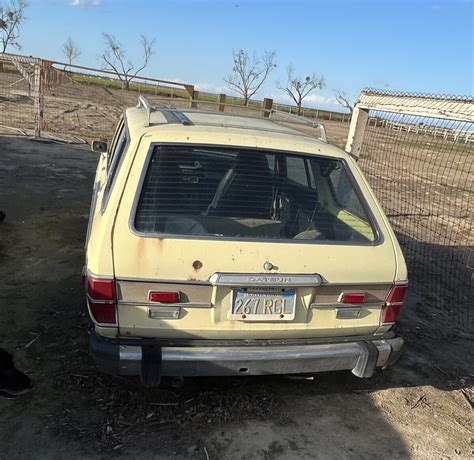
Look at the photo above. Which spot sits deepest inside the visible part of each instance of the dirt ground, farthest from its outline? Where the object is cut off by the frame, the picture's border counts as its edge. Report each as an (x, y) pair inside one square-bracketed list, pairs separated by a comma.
[(420, 408)]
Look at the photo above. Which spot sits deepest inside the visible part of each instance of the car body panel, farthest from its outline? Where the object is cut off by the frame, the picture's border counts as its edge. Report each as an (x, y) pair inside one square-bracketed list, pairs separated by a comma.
[(143, 262)]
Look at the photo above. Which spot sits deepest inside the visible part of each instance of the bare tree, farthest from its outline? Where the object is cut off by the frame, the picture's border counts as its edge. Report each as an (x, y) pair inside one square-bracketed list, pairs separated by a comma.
[(343, 100), (298, 87), (249, 74), (70, 50), (12, 17), (114, 59)]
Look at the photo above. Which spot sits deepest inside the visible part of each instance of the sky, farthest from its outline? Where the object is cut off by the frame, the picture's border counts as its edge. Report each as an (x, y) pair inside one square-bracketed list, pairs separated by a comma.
[(404, 45)]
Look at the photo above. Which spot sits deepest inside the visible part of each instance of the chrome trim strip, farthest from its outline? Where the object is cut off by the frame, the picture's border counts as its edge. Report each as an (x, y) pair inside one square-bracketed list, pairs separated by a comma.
[(346, 305), (163, 281), (263, 279), (367, 284), (157, 304)]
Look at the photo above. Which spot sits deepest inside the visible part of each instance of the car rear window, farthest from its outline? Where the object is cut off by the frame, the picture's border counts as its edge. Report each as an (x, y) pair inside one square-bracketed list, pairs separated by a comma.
[(250, 194)]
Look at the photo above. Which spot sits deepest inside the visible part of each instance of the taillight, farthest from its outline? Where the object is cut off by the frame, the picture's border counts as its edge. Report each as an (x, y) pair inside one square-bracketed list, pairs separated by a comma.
[(397, 294), (163, 297), (101, 300), (393, 303), (352, 297)]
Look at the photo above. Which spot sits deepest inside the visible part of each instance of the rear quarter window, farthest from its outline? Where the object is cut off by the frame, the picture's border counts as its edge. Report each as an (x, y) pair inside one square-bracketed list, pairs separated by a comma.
[(343, 192)]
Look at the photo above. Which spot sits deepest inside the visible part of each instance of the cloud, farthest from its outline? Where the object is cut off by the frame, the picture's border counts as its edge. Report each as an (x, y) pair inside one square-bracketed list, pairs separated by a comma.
[(435, 7), (310, 100), (212, 88), (85, 3)]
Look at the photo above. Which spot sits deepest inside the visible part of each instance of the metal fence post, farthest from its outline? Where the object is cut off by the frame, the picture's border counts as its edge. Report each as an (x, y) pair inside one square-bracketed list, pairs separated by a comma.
[(356, 131), (221, 102)]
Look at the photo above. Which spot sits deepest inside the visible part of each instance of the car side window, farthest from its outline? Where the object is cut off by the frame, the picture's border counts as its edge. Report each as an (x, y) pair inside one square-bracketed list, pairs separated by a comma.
[(296, 170), (344, 193), (113, 163), (115, 144)]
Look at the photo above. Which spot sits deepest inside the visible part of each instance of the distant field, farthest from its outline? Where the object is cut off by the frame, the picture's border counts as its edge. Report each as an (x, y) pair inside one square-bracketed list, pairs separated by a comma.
[(87, 106)]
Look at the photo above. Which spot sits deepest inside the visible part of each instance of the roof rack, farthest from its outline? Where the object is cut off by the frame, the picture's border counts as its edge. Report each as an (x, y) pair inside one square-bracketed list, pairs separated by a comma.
[(292, 118), (172, 114), (175, 115), (143, 102)]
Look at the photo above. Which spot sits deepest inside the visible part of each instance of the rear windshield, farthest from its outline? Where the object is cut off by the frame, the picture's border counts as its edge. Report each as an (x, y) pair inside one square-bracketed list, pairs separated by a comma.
[(250, 194)]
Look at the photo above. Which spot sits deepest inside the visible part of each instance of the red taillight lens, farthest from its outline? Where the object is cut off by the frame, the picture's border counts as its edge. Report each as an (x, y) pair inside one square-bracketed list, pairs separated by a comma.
[(102, 313), (101, 300), (393, 304), (163, 297), (397, 294), (352, 297), (390, 314), (98, 289)]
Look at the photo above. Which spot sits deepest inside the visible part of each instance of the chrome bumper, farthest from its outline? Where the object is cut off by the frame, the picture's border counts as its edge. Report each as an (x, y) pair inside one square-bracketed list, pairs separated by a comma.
[(359, 357)]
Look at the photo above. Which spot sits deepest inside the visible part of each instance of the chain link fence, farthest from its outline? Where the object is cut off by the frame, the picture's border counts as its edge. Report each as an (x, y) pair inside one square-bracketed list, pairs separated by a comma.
[(78, 103), (17, 95), (418, 154)]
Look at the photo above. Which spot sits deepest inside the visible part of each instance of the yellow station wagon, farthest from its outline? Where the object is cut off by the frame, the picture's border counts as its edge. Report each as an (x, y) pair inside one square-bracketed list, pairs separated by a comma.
[(220, 244)]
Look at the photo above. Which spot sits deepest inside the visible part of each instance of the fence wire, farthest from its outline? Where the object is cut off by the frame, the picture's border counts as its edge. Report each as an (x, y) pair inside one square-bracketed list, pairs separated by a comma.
[(16, 97), (421, 169), (85, 104)]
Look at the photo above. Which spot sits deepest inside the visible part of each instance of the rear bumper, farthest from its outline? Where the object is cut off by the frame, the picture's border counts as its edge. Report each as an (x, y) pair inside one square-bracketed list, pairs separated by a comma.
[(125, 357)]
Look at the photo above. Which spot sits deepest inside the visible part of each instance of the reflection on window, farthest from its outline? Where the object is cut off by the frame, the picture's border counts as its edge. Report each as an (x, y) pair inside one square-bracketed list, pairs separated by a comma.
[(227, 192)]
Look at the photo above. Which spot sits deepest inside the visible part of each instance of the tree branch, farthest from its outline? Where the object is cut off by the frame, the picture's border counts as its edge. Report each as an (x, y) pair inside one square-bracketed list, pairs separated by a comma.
[(343, 100), (248, 75), (298, 88), (114, 58)]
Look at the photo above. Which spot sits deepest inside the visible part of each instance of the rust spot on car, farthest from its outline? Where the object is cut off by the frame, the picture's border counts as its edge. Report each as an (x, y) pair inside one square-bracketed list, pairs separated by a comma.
[(139, 249), (197, 265)]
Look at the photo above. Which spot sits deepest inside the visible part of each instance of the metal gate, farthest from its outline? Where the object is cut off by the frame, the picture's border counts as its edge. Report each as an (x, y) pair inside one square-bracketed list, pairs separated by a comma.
[(417, 152)]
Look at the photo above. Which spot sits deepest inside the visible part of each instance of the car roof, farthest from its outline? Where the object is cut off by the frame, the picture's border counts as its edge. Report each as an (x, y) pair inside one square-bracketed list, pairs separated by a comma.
[(236, 128)]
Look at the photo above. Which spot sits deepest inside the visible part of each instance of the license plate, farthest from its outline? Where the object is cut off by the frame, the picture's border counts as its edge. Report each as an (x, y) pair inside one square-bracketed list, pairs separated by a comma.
[(263, 304)]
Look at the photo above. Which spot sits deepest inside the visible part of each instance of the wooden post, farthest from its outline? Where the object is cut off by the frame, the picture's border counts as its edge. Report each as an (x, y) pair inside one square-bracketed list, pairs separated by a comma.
[(356, 131), (194, 103), (267, 105), (221, 102)]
